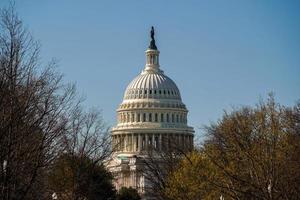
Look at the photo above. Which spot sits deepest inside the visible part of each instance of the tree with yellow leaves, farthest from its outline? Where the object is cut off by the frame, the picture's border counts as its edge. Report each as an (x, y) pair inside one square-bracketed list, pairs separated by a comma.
[(251, 153)]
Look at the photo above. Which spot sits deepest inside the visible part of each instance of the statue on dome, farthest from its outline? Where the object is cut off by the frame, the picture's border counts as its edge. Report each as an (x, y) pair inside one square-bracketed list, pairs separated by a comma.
[(152, 33), (152, 42)]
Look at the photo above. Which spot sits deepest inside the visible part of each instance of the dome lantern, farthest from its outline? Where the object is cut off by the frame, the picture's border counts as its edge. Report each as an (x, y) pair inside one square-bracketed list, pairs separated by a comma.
[(152, 55)]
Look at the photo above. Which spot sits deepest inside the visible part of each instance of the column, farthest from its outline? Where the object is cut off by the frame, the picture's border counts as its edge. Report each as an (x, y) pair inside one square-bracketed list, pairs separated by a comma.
[(140, 142), (153, 140), (135, 142), (146, 141), (119, 142), (128, 142), (125, 142), (160, 142), (116, 143), (132, 143)]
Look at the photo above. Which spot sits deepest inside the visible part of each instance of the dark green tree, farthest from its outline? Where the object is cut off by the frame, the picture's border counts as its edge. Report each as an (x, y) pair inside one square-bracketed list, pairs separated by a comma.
[(75, 177), (128, 194)]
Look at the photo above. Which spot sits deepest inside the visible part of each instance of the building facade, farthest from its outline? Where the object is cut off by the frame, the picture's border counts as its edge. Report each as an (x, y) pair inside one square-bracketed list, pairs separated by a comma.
[(151, 116)]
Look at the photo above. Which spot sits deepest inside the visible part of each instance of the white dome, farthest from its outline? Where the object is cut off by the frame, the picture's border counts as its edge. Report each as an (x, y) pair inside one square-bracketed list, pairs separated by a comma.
[(151, 119), (152, 85)]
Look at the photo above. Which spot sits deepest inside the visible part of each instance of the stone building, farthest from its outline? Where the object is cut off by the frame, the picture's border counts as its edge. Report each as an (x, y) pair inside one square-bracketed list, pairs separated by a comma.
[(152, 115)]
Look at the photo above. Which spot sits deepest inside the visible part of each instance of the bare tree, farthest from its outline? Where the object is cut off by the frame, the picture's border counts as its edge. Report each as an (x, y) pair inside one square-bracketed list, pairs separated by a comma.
[(159, 163), (88, 136), (251, 153), (34, 111), (80, 168), (256, 151)]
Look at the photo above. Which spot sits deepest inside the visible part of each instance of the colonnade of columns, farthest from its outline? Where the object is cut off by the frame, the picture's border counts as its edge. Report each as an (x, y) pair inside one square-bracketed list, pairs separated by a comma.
[(168, 117), (136, 142)]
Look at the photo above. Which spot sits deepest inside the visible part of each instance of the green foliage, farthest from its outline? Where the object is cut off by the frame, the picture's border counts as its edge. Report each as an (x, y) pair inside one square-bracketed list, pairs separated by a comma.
[(128, 194)]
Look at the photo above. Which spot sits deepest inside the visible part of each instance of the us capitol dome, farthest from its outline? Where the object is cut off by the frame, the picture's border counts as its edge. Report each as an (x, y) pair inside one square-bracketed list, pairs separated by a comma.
[(151, 117)]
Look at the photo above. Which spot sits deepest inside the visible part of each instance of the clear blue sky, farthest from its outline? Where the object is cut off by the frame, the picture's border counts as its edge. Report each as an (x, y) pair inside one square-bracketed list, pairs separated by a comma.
[(220, 53)]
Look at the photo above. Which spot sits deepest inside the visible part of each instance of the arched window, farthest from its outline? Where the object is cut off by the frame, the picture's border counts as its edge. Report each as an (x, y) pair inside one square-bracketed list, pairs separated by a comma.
[(167, 117), (162, 117), (177, 118), (132, 118), (150, 117), (144, 117), (173, 118)]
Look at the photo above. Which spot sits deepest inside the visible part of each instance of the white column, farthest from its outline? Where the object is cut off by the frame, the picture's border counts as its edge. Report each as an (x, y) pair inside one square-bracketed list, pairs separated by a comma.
[(146, 141), (139, 142), (131, 143), (124, 142), (118, 141), (128, 142), (134, 142), (152, 140), (160, 142)]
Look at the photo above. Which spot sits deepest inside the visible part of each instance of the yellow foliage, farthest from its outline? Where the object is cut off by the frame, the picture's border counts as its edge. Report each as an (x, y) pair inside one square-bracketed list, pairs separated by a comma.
[(193, 179)]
